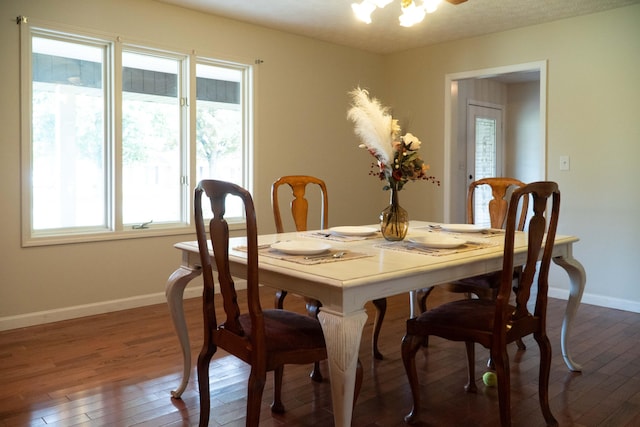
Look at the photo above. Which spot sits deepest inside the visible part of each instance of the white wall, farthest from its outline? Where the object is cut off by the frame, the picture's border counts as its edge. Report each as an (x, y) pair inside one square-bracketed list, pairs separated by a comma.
[(593, 88)]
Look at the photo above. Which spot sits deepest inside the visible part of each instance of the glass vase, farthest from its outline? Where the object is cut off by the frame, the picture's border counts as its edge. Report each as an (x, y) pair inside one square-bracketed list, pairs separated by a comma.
[(394, 220)]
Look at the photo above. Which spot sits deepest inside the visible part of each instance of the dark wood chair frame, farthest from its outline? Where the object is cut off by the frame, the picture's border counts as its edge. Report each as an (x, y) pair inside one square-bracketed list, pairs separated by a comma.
[(496, 323), (485, 286), (265, 339)]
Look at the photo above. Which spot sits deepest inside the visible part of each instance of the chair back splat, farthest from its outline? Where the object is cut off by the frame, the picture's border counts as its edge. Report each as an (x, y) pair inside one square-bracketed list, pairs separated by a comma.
[(494, 323), (299, 204), (498, 205)]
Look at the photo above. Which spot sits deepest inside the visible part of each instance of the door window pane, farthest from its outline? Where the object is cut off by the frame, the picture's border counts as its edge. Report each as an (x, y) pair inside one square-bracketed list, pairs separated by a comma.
[(485, 167), (151, 150), (68, 135)]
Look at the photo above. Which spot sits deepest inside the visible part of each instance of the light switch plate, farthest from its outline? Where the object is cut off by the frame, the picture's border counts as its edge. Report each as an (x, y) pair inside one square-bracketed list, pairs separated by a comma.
[(564, 163)]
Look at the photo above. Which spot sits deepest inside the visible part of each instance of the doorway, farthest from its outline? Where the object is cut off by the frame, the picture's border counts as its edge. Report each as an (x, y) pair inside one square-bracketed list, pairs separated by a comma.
[(521, 89)]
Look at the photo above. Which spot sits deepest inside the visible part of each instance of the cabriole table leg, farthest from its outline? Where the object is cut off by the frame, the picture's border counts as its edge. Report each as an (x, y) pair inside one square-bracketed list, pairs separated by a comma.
[(577, 279), (174, 292)]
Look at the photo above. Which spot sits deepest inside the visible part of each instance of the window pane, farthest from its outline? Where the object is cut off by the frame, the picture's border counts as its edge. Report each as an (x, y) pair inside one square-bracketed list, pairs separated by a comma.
[(68, 135), (219, 132), (151, 157)]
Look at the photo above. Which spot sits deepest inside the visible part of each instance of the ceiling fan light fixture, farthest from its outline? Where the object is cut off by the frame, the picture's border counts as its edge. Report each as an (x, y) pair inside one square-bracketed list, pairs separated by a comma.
[(411, 14), (363, 10), (431, 6), (380, 3)]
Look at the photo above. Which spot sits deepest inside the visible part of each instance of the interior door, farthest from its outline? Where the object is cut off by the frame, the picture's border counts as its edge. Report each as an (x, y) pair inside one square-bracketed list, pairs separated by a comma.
[(485, 148)]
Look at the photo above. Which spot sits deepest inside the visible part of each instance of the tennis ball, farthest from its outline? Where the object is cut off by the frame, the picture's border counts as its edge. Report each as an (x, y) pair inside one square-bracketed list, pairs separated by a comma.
[(489, 379)]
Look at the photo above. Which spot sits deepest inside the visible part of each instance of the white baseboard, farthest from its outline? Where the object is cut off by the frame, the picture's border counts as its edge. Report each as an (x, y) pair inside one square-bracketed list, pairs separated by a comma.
[(56, 315), (49, 316), (598, 300)]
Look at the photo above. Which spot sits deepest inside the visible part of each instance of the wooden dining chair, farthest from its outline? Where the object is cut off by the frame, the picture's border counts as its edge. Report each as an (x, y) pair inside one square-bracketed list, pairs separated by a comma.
[(494, 323), (265, 339), (299, 206), (300, 214), (486, 285)]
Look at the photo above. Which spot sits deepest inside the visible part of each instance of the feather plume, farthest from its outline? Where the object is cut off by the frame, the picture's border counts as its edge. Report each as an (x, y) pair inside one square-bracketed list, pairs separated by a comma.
[(373, 124)]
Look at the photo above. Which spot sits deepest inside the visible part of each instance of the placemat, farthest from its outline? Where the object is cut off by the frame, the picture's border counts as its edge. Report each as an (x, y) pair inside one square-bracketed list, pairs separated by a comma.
[(328, 235), (406, 246), (485, 234), (307, 259)]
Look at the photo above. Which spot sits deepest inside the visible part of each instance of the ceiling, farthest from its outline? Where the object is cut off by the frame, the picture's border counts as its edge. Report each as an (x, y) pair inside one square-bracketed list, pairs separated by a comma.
[(333, 20)]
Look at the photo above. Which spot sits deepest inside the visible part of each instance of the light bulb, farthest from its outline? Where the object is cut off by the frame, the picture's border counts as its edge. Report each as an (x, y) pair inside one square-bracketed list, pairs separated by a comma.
[(381, 3), (411, 15), (431, 6), (363, 10), (411, 12)]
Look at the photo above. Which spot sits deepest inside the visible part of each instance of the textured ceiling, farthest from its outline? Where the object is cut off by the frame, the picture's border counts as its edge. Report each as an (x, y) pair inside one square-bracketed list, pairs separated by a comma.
[(333, 20)]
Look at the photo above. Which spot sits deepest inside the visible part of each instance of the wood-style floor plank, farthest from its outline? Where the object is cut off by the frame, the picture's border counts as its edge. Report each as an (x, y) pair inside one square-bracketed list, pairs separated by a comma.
[(118, 369)]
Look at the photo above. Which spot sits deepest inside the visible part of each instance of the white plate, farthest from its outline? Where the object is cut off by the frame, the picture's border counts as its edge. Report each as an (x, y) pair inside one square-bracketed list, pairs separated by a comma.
[(354, 231), (463, 228), (437, 241), (301, 247)]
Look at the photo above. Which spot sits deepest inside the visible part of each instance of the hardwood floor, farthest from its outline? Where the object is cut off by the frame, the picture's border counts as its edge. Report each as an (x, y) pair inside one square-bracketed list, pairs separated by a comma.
[(118, 369)]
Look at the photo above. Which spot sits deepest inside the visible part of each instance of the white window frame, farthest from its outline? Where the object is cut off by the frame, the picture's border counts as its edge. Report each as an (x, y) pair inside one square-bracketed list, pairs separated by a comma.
[(247, 106), (113, 128), (183, 91)]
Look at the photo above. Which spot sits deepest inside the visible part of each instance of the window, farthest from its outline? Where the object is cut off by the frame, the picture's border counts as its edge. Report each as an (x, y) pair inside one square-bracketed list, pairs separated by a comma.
[(108, 152), (152, 147), (68, 134), (219, 127)]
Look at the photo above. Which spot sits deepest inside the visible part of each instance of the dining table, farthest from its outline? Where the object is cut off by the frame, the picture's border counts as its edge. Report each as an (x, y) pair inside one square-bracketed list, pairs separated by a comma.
[(367, 267)]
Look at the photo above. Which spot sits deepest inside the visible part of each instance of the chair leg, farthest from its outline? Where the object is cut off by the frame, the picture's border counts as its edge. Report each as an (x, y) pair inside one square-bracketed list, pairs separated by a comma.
[(277, 405), (543, 381), (501, 360), (316, 374), (204, 358), (381, 309), (490, 365), (518, 275), (257, 379), (313, 308), (422, 296), (358, 385), (410, 346), (279, 299), (471, 386)]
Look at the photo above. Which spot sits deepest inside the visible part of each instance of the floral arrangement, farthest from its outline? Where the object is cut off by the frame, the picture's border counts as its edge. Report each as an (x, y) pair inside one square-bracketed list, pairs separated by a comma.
[(398, 158)]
